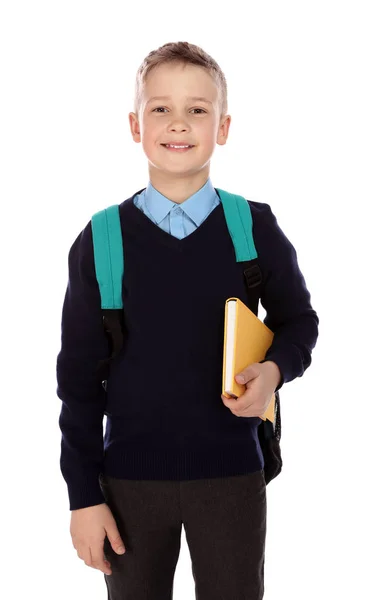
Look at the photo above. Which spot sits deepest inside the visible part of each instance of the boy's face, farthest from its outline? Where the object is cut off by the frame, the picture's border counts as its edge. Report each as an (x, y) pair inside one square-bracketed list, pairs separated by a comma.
[(178, 118)]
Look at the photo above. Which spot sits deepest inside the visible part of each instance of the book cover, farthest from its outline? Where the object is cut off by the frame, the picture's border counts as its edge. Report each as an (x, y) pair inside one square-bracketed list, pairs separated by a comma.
[(246, 341)]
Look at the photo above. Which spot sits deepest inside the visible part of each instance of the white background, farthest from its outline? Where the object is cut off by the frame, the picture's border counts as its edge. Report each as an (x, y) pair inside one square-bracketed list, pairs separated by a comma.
[(300, 93)]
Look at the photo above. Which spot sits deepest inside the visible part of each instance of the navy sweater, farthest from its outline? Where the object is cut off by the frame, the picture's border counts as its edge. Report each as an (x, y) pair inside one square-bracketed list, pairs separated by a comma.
[(165, 416)]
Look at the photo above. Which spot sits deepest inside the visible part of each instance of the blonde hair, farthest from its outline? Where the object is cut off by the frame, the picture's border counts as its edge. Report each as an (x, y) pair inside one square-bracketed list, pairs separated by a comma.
[(182, 53)]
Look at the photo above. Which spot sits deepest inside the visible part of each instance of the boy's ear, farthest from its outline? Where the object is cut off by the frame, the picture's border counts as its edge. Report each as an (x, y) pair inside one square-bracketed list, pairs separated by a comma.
[(135, 127), (223, 130)]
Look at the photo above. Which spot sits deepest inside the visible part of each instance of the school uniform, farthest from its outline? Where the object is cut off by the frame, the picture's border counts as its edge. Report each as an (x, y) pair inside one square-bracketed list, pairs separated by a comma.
[(172, 453)]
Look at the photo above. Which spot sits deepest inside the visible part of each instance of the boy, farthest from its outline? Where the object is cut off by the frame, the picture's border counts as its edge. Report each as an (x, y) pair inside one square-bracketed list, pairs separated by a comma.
[(175, 450)]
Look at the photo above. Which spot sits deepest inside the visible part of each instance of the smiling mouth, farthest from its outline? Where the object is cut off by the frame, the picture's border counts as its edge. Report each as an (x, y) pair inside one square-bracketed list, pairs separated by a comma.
[(173, 149)]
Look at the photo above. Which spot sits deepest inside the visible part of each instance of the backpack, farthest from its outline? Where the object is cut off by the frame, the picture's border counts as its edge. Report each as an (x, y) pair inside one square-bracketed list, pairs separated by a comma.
[(109, 267)]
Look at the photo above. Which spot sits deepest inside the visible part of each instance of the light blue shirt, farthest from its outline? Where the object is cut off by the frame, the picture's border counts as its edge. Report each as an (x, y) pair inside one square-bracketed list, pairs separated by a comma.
[(178, 219)]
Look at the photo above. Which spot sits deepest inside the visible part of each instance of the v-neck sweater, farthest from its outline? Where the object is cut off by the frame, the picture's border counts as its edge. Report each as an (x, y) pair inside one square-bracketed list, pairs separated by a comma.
[(165, 418)]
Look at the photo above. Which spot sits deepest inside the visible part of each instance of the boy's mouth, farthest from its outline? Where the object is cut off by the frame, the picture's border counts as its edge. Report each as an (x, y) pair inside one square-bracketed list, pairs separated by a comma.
[(178, 147)]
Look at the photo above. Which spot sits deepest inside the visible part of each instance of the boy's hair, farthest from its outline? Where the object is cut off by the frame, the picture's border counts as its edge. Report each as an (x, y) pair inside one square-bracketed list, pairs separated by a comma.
[(182, 53)]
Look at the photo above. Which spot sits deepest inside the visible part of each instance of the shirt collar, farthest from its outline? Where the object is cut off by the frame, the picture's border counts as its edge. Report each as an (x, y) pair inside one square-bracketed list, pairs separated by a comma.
[(197, 207)]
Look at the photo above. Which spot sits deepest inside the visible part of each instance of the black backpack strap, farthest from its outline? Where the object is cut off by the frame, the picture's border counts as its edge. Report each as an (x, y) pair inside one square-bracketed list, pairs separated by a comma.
[(253, 279), (113, 323)]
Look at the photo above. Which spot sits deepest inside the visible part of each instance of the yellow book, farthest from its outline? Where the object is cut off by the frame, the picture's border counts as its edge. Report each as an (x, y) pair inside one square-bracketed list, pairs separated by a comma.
[(246, 341)]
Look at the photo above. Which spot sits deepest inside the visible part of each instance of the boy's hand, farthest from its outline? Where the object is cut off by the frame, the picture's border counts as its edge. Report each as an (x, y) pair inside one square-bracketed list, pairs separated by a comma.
[(88, 528), (261, 380)]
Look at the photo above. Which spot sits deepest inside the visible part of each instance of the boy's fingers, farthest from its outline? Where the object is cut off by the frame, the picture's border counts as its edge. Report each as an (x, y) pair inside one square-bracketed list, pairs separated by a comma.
[(115, 540), (98, 559)]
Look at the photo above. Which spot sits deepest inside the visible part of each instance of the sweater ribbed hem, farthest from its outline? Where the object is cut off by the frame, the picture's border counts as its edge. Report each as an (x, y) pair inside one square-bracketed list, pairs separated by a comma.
[(183, 463)]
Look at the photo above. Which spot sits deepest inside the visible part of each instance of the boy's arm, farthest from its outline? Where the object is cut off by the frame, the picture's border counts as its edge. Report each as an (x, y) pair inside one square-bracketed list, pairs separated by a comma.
[(83, 345), (286, 300)]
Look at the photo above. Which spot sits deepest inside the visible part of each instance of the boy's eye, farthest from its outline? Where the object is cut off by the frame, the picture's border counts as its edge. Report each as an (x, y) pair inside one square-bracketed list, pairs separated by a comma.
[(162, 107)]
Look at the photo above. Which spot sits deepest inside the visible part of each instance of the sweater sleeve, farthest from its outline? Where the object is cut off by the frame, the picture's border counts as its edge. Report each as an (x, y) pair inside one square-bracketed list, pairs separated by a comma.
[(286, 299), (79, 386)]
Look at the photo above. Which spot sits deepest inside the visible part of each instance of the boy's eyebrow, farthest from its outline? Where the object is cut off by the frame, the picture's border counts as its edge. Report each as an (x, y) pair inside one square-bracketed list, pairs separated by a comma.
[(195, 98)]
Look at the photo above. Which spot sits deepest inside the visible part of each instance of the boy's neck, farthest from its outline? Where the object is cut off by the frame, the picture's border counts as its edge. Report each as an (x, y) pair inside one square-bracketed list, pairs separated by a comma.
[(178, 189)]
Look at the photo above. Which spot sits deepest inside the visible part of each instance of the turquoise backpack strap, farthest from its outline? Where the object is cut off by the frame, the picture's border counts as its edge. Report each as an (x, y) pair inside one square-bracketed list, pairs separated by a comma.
[(239, 223), (108, 255)]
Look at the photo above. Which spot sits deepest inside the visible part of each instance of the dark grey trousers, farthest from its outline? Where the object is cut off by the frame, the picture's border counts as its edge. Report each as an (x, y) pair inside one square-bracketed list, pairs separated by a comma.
[(225, 526)]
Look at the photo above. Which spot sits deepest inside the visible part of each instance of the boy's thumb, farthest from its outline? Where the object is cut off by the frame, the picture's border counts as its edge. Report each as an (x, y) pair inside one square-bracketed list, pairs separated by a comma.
[(115, 540)]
